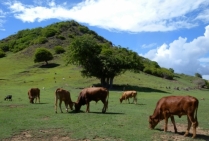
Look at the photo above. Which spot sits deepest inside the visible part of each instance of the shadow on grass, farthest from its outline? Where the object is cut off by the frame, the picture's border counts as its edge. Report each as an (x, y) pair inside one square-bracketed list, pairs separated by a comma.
[(108, 113), (42, 103), (111, 113), (198, 136), (51, 65), (133, 87)]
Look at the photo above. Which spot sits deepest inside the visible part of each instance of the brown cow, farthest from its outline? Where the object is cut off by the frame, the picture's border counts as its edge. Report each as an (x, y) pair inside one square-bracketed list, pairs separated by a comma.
[(176, 105), (63, 95), (92, 94), (129, 94), (34, 93)]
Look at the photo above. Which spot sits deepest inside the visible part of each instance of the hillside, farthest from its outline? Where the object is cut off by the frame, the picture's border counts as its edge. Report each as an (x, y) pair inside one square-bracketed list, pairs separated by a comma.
[(24, 43)]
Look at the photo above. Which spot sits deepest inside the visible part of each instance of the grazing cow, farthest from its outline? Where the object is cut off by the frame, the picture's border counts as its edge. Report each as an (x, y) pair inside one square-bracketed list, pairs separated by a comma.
[(9, 97), (176, 105), (63, 95), (129, 94), (92, 94), (34, 93)]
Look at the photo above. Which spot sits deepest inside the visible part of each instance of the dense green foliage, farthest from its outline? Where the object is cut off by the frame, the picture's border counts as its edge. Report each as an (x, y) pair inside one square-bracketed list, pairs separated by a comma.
[(63, 31), (198, 75), (2, 53), (59, 49), (42, 54), (101, 60)]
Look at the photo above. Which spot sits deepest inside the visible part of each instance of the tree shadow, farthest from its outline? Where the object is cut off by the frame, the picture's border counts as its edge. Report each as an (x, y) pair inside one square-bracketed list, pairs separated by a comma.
[(136, 88), (51, 65)]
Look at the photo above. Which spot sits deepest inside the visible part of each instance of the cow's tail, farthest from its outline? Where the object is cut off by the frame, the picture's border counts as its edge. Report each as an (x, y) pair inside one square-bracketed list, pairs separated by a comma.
[(196, 113), (107, 99)]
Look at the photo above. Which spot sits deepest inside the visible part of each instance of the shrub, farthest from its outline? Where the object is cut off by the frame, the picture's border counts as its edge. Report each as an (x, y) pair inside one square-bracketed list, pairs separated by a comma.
[(41, 40), (49, 32), (42, 55), (59, 50), (2, 53), (60, 37)]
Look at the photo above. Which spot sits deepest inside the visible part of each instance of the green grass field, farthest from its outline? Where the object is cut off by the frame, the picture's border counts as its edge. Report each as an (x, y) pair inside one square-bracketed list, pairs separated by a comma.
[(24, 121)]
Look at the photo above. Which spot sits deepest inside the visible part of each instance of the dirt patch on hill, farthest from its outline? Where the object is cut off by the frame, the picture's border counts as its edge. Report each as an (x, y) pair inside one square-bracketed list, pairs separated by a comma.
[(50, 135), (171, 135)]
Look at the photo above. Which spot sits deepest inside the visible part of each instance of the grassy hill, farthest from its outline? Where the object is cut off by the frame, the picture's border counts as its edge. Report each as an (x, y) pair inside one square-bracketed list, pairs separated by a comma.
[(20, 120)]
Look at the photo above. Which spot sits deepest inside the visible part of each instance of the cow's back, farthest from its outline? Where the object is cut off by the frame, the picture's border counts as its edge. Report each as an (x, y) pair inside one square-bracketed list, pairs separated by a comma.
[(62, 94), (94, 93), (33, 92), (177, 105)]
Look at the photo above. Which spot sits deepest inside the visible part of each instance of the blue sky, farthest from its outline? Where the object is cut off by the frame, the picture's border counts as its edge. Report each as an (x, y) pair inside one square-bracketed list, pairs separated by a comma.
[(174, 33)]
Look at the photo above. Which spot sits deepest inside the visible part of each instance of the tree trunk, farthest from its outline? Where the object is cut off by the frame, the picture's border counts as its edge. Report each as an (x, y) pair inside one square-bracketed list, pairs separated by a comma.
[(111, 82)]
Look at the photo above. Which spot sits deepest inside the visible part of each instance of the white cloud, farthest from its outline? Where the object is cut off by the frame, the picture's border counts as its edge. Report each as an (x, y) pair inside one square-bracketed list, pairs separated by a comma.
[(204, 16), (2, 19), (183, 56), (121, 15)]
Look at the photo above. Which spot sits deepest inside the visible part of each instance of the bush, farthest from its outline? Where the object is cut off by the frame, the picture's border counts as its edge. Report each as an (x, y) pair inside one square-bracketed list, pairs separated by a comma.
[(49, 32), (41, 40), (42, 55), (2, 53), (60, 37), (59, 50)]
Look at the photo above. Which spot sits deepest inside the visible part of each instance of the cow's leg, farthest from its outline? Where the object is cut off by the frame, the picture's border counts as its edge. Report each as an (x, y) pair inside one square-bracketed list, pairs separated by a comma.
[(174, 124), (87, 107), (55, 105), (66, 106), (105, 106), (166, 121), (188, 127), (193, 122), (128, 100), (60, 103), (35, 99)]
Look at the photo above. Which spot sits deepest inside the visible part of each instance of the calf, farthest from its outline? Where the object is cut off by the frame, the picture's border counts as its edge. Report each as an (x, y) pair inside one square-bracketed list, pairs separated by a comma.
[(129, 94), (92, 94), (9, 97), (63, 95), (34, 93), (176, 105)]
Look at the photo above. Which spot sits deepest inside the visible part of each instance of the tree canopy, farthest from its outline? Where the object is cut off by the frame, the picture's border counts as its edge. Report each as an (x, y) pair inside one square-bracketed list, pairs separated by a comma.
[(101, 60), (42, 55)]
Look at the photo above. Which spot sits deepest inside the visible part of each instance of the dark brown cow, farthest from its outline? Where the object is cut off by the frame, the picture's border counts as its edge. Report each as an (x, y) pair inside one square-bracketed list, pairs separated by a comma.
[(129, 94), (63, 95), (34, 93), (92, 94), (9, 97), (176, 105)]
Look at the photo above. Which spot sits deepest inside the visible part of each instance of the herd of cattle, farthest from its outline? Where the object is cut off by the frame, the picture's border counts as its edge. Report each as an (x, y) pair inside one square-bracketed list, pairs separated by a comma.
[(165, 108)]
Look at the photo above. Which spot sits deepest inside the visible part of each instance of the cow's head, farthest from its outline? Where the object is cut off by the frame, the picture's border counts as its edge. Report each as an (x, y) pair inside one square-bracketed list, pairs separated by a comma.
[(77, 106), (71, 105), (121, 100), (153, 122), (31, 99)]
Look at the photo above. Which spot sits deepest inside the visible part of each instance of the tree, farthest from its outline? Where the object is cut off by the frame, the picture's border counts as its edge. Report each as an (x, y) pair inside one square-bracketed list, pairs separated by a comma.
[(43, 54), (171, 70), (101, 60), (198, 75)]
